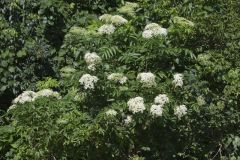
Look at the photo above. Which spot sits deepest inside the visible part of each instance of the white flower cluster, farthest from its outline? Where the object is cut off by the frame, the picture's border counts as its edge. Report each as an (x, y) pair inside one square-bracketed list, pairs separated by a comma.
[(116, 20), (128, 120), (106, 18), (147, 34), (92, 59), (161, 99), (151, 26), (178, 80), (118, 78), (106, 29), (153, 29), (136, 105), (147, 79), (26, 96), (129, 8), (156, 110), (180, 111), (111, 112), (88, 81), (48, 93), (111, 21), (30, 96)]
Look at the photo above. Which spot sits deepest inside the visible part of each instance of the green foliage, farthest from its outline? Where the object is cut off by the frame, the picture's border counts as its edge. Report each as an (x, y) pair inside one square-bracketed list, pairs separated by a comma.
[(69, 129), (43, 45), (47, 83)]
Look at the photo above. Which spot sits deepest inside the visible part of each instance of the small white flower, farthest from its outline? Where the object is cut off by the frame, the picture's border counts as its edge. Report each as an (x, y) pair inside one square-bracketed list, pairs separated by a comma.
[(88, 81), (47, 93), (178, 80), (106, 29), (156, 110), (147, 34), (180, 111), (151, 26), (147, 79), (160, 31), (118, 20), (26, 96), (111, 112), (92, 67), (92, 59), (118, 78), (153, 29), (105, 18), (136, 105), (128, 120), (123, 80), (161, 99)]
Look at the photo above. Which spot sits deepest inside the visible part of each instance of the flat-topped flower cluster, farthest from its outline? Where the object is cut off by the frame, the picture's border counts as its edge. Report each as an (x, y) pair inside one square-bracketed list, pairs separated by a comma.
[(88, 81), (178, 80), (116, 20), (106, 29), (110, 22), (153, 30), (147, 79), (136, 105), (30, 96), (92, 60)]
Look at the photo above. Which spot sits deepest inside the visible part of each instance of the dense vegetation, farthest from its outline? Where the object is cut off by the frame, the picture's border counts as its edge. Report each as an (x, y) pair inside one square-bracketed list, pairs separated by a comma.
[(102, 79)]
